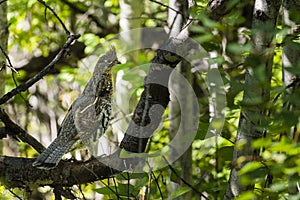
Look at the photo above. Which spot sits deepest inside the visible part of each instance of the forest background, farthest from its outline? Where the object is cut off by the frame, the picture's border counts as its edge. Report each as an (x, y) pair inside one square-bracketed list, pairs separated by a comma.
[(239, 123)]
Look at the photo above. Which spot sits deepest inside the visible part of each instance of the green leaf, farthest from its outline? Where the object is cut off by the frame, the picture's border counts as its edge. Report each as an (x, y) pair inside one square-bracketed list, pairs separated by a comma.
[(250, 166), (106, 190), (179, 192), (142, 182), (249, 195), (225, 153), (278, 186), (262, 142), (125, 189), (238, 48)]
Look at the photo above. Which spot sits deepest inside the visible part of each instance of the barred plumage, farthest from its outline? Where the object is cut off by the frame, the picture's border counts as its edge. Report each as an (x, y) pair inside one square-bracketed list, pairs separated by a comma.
[(88, 117)]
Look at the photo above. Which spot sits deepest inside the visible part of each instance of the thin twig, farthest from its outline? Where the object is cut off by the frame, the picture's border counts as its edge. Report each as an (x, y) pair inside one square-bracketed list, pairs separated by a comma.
[(58, 18), (16, 131), (23, 87), (128, 185), (115, 185), (16, 84), (80, 189), (10, 65), (166, 6), (184, 181), (8, 60), (110, 188), (156, 181), (292, 85), (189, 19), (10, 190)]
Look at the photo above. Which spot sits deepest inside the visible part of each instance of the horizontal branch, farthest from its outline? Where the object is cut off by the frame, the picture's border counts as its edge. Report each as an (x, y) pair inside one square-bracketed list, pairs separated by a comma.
[(19, 172)]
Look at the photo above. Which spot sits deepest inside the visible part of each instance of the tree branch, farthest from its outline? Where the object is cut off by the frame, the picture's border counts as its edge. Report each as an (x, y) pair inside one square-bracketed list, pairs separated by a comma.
[(256, 93), (36, 64), (18, 172), (144, 120), (41, 74), (57, 17), (17, 132), (217, 9)]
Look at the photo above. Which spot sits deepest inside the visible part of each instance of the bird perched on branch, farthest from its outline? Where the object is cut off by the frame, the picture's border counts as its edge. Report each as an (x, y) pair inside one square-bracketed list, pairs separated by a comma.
[(88, 117)]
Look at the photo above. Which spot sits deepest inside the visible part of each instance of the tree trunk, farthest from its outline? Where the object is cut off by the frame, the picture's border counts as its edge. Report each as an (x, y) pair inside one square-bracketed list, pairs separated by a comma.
[(176, 21), (3, 44), (290, 59), (181, 123), (130, 14), (290, 51), (19, 172), (256, 92)]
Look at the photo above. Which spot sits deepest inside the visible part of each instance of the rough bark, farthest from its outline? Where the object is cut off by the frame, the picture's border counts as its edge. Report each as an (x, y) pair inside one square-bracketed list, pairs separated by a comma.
[(3, 44), (176, 20), (18, 172), (290, 51), (167, 58), (256, 92), (290, 60)]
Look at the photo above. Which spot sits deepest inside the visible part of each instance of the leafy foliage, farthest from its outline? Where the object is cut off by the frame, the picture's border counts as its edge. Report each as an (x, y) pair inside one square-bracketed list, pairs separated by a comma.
[(35, 32)]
